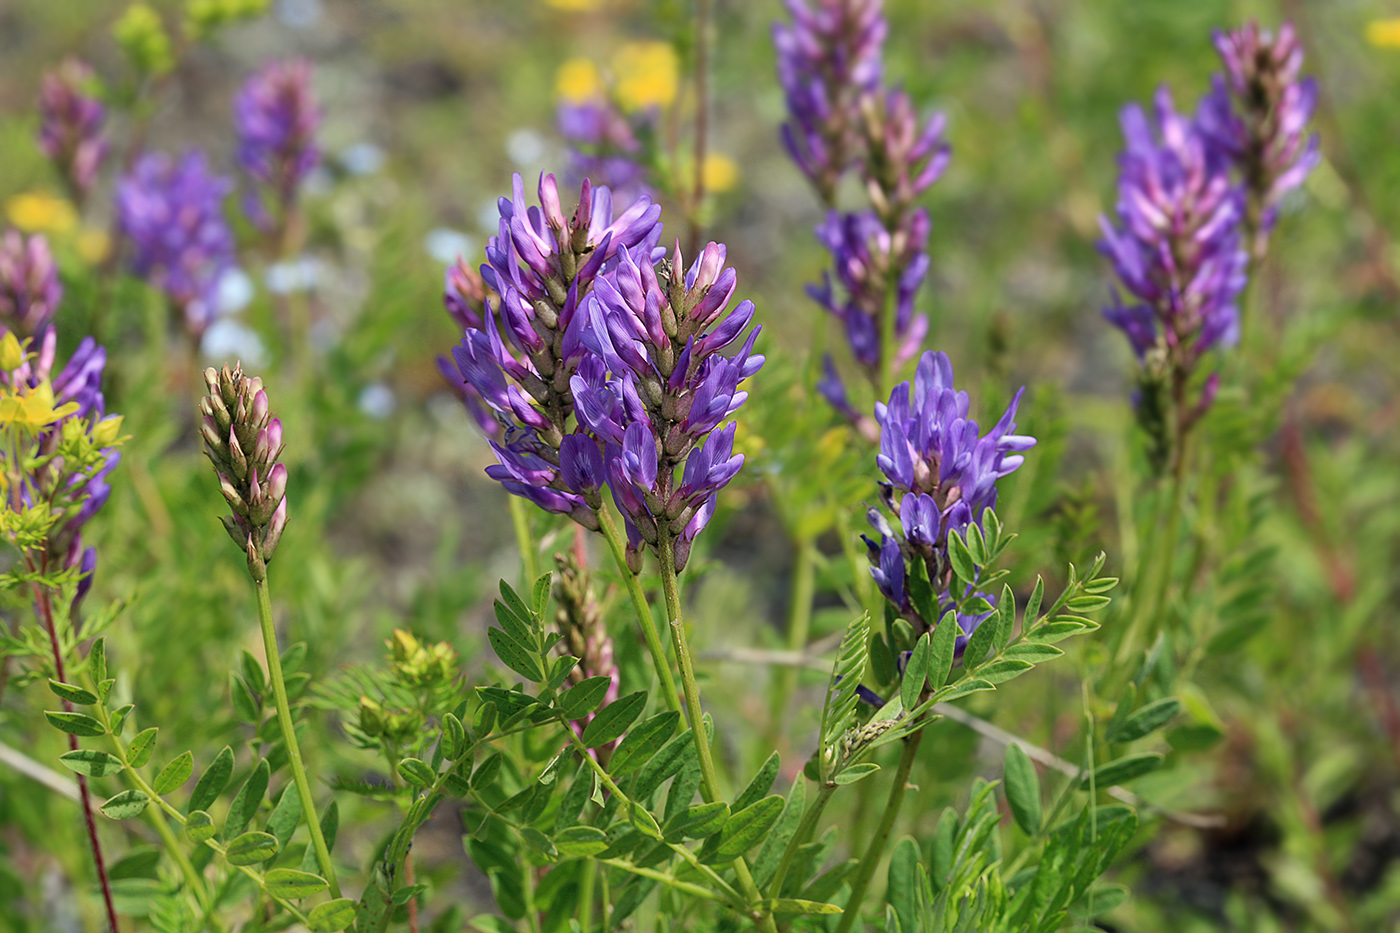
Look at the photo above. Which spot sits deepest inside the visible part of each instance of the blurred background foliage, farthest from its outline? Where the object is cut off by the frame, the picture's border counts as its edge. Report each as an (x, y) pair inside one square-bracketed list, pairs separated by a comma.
[(430, 105)]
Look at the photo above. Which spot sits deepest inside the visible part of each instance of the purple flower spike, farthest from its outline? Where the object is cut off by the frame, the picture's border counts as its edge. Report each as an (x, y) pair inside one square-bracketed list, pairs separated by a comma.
[(828, 59), (276, 117), (70, 126), (1256, 119), (1177, 249), (941, 476), (172, 212), (29, 286), (863, 252)]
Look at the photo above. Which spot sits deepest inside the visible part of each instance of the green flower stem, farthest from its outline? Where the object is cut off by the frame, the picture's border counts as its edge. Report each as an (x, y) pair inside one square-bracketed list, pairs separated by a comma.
[(804, 832), (882, 833), (523, 540), (799, 625), (888, 338), (639, 603), (289, 735), (709, 781)]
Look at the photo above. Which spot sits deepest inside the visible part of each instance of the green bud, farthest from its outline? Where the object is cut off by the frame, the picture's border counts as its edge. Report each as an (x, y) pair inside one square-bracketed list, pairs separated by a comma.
[(143, 39)]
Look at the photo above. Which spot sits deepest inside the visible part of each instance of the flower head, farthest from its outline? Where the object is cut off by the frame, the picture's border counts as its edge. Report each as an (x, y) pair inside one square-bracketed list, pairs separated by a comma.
[(828, 59), (70, 125), (1256, 119), (941, 477), (72, 445), (29, 286), (244, 440), (1176, 247), (172, 212), (276, 117)]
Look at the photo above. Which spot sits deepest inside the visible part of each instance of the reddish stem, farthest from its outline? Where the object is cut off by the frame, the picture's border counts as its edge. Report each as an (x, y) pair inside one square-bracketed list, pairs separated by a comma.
[(45, 610)]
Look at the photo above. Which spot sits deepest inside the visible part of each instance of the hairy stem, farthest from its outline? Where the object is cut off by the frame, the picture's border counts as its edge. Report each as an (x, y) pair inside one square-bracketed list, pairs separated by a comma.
[(289, 735), (639, 603), (799, 625), (520, 519), (709, 780), (871, 858)]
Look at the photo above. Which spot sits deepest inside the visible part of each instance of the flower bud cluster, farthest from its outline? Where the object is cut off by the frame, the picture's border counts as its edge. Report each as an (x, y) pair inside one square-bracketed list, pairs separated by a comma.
[(70, 126), (940, 477), (29, 286), (579, 618), (244, 440)]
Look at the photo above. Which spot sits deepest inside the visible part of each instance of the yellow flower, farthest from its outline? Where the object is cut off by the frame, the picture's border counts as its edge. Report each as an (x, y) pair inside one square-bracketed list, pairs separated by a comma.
[(32, 408), (41, 212), (11, 353), (578, 81), (1384, 33), (574, 6), (648, 75), (721, 173)]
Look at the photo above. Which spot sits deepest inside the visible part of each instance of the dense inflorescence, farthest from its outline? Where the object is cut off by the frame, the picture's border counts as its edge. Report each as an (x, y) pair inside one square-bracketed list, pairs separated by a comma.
[(1177, 250), (172, 213), (940, 477), (244, 440), (70, 126), (602, 361)]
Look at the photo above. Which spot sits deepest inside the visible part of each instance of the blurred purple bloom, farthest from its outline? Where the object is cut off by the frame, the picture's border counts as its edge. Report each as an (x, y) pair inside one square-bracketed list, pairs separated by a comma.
[(172, 212), (1177, 246), (70, 126), (904, 159), (863, 253), (605, 146), (828, 59), (276, 117), (29, 286), (1256, 118)]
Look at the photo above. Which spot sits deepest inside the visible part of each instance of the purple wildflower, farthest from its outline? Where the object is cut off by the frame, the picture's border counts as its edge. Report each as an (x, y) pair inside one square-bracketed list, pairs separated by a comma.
[(465, 296), (523, 360), (864, 254), (1256, 120), (29, 286), (605, 146), (842, 116), (70, 126), (941, 477), (172, 212), (276, 117), (1177, 250), (659, 328), (828, 59)]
